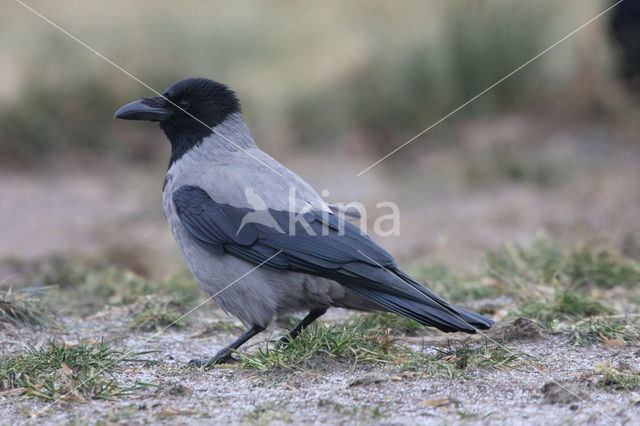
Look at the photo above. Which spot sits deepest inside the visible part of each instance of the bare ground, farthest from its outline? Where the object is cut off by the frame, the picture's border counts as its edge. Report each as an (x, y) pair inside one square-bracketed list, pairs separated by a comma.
[(336, 391)]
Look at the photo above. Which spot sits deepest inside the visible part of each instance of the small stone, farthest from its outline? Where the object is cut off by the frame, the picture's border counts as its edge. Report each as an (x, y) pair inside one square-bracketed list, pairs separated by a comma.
[(178, 390), (554, 393), (367, 380)]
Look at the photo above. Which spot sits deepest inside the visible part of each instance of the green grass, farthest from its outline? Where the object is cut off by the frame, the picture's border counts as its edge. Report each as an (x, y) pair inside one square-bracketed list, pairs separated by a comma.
[(70, 372), (92, 283), (611, 330), (454, 362), (123, 287), (393, 324), (560, 283), (431, 366), (320, 342), (367, 339), (620, 377), (545, 263), (599, 267), (484, 355), (455, 287), (155, 314), (269, 412), (27, 308), (564, 305)]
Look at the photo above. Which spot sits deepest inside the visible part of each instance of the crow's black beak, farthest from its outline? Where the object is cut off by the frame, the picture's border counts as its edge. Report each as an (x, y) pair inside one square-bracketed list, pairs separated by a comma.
[(149, 109)]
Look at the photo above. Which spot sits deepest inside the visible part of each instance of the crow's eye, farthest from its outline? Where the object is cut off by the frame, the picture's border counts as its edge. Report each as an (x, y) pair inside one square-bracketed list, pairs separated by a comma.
[(184, 105)]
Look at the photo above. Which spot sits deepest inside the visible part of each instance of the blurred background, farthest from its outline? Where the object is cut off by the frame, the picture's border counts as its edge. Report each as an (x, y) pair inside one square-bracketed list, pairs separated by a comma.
[(328, 89)]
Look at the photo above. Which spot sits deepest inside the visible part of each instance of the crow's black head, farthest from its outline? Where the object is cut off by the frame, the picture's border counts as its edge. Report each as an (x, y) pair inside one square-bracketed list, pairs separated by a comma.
[(186, 112)]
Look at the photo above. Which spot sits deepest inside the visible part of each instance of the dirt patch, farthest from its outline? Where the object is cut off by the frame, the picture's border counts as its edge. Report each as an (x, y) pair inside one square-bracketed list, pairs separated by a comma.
[(369, 379), (520, 329), (561, 393), (337, 391)]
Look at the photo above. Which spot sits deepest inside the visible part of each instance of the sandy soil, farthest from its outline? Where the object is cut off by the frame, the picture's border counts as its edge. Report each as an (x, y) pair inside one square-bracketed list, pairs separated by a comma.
[(336, 392)]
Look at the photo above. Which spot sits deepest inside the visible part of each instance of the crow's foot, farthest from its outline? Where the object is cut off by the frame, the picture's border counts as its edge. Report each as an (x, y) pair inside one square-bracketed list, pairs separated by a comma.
[(218, 359)]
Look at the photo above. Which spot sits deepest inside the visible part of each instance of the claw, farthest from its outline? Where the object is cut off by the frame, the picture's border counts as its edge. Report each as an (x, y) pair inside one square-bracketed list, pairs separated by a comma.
[(286, 339), (224, 355), (197, 363), (216, 360)]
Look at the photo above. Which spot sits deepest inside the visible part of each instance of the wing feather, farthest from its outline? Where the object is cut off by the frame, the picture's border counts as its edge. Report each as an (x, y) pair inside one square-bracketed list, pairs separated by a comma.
[(323, 245)]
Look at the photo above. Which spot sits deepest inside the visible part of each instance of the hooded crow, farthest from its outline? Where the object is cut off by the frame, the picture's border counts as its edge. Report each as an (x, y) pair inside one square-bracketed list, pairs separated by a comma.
[(257, 238)]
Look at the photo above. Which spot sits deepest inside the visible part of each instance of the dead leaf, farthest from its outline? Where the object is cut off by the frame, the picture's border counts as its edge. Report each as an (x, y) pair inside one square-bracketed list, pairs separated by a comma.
[(199, 332), (170, 412), (255, 376), (611, 342), (11, 392), (438, 402), (65, 369)]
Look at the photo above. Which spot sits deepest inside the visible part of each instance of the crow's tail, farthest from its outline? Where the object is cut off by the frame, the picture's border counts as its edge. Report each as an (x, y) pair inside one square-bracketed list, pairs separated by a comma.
[(397, 292), (475, 319)]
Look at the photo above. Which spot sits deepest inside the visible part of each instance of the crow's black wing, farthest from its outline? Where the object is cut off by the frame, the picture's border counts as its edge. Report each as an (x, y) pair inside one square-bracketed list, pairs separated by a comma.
[(314, 241), (317, 243)]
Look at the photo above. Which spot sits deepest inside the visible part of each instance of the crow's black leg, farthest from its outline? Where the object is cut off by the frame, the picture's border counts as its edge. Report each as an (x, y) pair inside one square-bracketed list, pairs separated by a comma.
[(311, 317), (224, 355)]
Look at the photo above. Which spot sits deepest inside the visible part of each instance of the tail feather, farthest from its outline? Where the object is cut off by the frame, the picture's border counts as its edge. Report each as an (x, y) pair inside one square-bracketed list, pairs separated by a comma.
[(397, 292), (437, 317), (473, 318)]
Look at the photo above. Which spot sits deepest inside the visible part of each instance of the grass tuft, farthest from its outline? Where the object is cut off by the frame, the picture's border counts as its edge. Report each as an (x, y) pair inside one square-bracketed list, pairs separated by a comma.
[(26, 308), (458, 288), (543, 263), (94, 283), (564, 305), (556, 284), (156, 314), (123, 287), (610, 330), (384, 321), (454, 362), (318, 342), (431, 366), (483, 355), (70, 372), (621, 377)]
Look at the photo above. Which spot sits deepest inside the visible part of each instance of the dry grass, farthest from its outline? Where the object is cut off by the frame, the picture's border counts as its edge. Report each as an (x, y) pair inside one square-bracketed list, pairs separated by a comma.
[(621, 377), (27, 308)]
